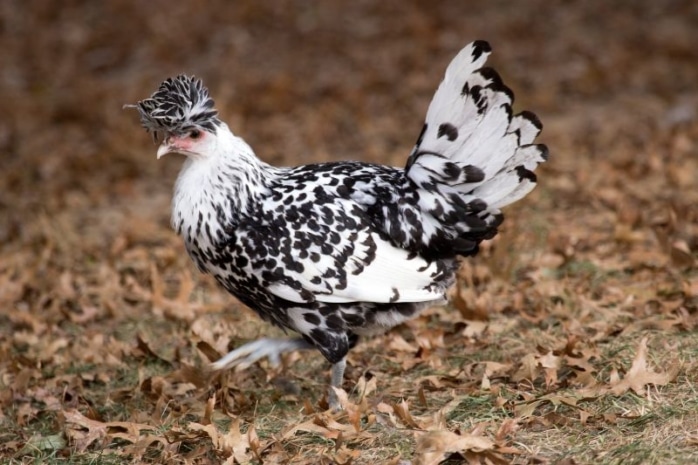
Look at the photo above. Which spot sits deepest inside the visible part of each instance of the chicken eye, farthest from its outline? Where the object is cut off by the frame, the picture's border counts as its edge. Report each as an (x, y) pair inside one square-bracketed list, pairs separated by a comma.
[(195, 134)]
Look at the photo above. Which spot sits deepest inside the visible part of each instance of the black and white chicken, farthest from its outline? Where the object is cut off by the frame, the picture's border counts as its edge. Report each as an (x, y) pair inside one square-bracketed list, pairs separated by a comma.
[(337, 250)]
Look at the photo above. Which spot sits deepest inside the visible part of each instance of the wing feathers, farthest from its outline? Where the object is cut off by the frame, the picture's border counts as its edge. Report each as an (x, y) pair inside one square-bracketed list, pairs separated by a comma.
[(359, 265)]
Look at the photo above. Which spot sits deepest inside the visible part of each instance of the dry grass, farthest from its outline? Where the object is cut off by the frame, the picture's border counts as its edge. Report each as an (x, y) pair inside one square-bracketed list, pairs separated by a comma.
[(105, 326)]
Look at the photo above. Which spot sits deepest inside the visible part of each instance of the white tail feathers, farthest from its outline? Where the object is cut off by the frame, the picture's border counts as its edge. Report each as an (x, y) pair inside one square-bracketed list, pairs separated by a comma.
[(471, 142)]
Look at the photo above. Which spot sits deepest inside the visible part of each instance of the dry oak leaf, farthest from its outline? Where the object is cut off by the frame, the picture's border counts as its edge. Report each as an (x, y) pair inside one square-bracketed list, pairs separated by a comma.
[(434, 446), (321, 424), (82, 431), (234, 444), (402, 411), (641, 375)]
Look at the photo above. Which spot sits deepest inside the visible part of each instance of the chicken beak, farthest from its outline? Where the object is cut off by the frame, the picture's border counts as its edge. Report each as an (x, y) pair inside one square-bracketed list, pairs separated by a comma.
[(164, 149)]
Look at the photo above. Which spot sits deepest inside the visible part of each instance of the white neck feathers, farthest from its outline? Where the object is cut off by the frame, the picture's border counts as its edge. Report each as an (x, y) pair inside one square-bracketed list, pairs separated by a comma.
[(213, 191)]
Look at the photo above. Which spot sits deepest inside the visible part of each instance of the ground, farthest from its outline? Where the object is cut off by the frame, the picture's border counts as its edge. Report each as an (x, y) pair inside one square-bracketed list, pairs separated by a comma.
[(569, 339)]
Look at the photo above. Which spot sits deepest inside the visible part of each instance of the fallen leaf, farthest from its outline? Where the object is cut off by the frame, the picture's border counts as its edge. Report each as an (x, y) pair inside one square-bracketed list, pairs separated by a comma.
[(399, 344), (402, 411), (640, 375), (140, 447), (145, 348), (528, 369), (526, 409), (310, 427), (434, 446), (681, 255), (550, 363), (81, 431), (470, 305)]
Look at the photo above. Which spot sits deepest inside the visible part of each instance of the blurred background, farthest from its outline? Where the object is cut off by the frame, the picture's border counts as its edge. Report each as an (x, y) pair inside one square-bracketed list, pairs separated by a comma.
[(96, 291), (615, 83), (313, 81)]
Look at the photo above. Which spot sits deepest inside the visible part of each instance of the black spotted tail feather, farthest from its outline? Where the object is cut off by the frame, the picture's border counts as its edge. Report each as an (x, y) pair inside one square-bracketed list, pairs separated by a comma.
[(474, 156)]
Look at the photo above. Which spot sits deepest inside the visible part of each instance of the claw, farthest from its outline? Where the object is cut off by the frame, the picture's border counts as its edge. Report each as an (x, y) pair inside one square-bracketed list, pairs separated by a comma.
[(246, 355), (272, 349)]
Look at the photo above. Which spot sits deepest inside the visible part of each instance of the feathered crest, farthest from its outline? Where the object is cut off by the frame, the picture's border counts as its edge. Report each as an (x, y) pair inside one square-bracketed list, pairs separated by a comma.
[(179, 105)]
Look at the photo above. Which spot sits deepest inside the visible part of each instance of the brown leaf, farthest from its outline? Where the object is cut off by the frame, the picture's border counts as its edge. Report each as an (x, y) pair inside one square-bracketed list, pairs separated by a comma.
[(191, 374), (346, 456), (208, 350), (584, 416), (144, 347), (237, 442), (81, 431), (399, 344), (139, 448), (528, 369), (434, 446), (232, 444), (526, 409), (366, 387), (470, 305), (127, 430), (474, 329), (508, 427), (640, 375), (550, 363), (403, 413), (25, 412), (329, 422), (310, 427), (255, 444), (681, 255), (421, 396), (208, 410)]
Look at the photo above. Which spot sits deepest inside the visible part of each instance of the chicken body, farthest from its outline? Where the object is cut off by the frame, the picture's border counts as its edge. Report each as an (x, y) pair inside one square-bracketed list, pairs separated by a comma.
[(336, 250)]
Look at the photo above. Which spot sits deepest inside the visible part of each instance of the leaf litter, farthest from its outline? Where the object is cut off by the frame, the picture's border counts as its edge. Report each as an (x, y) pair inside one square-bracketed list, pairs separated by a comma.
[(577, 321)]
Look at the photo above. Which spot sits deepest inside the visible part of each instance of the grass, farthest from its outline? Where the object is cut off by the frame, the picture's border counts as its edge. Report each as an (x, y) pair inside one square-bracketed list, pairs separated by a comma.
[(655, 428)]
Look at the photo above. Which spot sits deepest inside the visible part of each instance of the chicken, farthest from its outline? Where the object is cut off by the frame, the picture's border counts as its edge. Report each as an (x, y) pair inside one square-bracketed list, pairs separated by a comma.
[(334, 251)]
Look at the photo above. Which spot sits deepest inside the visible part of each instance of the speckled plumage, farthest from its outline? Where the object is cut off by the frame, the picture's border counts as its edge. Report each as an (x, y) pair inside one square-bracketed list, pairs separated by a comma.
[(337, 250)]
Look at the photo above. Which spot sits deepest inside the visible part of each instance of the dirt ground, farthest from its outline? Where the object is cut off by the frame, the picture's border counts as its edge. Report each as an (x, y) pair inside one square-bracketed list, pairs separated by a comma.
[(569, 339)]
